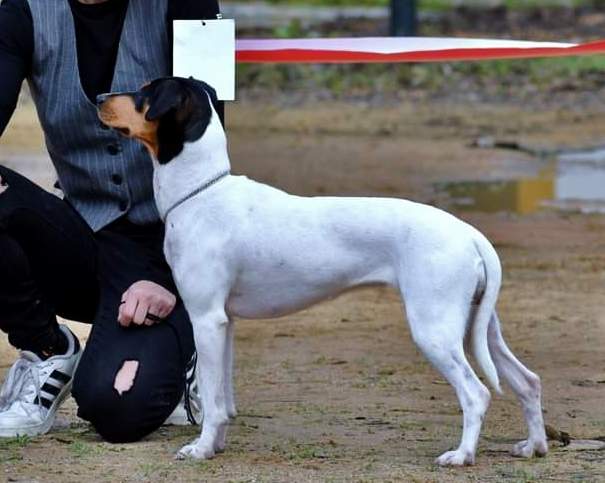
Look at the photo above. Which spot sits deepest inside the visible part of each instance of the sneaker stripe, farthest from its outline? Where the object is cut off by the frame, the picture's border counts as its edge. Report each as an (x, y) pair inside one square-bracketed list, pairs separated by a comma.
[(189, 381), (60, 376), (50, 389), (47, 403)]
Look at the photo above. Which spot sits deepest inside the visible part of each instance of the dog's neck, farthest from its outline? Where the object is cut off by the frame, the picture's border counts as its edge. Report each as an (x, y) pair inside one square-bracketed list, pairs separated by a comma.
[(199, 163)]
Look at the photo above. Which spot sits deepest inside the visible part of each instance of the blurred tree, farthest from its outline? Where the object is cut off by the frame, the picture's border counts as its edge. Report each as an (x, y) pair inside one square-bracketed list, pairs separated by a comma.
[(404, 18)]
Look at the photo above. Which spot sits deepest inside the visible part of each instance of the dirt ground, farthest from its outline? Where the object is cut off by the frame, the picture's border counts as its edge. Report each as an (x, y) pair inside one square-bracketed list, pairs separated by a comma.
[(339, 392)]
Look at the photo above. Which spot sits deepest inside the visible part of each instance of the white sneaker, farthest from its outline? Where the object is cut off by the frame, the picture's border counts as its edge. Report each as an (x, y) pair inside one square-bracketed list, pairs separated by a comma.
[(34, 389), (188, 410)]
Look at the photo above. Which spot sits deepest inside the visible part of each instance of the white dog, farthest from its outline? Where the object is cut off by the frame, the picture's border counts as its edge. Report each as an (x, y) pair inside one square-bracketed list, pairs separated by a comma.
[(239, 248)]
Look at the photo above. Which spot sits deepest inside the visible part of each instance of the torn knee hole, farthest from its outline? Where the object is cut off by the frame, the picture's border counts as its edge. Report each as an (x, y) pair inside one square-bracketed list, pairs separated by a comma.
[(125, 377), (3, 186)]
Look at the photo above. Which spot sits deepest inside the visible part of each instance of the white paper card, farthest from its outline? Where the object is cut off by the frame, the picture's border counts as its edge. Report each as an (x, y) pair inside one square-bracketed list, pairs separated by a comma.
[(205, 49)]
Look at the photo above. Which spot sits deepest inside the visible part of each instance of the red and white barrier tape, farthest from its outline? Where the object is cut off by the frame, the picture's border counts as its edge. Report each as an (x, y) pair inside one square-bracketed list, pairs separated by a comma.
[(401, 49)]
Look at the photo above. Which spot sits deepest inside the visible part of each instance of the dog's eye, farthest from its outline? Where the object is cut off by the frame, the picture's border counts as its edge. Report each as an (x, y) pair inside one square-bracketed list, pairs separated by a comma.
[(123, 130)]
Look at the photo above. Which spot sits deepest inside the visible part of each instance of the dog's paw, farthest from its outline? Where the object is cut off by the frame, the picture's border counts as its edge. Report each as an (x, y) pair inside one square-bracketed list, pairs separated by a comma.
[(527, 449), (456, 458), (195, 451)]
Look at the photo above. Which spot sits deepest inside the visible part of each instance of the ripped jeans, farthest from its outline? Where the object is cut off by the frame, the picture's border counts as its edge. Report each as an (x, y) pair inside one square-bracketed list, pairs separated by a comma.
[(51, 263)]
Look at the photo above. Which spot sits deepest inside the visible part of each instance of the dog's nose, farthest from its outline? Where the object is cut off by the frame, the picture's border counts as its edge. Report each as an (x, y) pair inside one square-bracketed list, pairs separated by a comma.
[(101, 98)]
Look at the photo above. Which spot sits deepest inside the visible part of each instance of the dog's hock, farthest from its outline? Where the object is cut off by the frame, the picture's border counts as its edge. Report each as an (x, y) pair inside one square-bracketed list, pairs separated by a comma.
[(125, 377)]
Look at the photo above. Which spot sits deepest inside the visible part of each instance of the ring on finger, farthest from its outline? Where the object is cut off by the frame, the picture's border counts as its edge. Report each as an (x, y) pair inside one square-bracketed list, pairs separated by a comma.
[(153, 318)]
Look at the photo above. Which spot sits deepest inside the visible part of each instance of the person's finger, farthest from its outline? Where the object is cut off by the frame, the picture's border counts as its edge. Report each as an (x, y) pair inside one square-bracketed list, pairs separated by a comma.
[(127, 310), (153, 316), (156, 309), (140, 313), (165, 308), (164, 311)]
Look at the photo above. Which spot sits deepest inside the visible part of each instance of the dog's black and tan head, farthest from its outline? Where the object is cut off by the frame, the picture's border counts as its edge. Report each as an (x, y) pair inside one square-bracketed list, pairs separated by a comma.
[(163, 115)]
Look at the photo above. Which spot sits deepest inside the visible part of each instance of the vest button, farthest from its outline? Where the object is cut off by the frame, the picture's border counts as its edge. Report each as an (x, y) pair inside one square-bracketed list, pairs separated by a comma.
[(123, 205), (116, 179), (114, 149)]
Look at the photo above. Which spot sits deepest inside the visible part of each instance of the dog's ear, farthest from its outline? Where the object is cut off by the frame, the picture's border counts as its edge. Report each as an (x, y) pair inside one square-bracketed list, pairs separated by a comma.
[(212, 94), (211, 91), (164, 97), (183, 109)]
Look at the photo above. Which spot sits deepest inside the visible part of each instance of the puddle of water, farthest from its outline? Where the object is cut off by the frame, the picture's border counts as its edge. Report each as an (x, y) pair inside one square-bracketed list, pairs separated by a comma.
[(572, 182)]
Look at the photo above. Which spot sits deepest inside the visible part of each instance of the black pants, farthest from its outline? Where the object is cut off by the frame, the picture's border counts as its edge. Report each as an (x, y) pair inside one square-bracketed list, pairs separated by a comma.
[(51, 263)]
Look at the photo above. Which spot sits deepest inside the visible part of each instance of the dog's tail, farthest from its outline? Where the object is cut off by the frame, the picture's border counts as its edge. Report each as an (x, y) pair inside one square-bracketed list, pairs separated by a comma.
[(486, 310)]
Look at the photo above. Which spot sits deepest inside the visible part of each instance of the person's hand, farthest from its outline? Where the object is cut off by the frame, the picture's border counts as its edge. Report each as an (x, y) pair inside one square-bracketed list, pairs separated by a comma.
[(145, 303)]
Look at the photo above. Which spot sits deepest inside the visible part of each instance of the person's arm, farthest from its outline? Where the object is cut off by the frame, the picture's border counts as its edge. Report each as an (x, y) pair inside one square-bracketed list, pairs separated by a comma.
[(195, 10), (16, 50)]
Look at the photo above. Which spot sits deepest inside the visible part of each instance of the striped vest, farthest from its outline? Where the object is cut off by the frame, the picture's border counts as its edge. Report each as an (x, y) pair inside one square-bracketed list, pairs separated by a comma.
[(101, 174)]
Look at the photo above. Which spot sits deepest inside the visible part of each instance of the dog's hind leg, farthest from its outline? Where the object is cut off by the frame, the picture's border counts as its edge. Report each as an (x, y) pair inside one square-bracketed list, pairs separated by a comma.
[(526, 386), (439, 333), (210, 333), (229, 357)]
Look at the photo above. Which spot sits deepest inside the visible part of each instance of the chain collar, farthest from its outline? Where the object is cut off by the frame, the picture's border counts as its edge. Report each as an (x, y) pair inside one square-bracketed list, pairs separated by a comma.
[(196, 192)]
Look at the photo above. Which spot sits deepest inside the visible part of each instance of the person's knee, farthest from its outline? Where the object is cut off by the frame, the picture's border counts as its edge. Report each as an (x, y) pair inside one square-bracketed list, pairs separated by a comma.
[(121, 410), (115, 417)]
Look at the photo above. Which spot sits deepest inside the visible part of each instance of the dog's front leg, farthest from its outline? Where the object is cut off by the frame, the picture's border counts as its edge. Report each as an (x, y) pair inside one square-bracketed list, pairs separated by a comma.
[(210, 333)]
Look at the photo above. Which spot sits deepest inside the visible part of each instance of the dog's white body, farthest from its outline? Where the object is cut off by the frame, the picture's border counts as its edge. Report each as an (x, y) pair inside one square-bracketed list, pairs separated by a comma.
[(244, 249)]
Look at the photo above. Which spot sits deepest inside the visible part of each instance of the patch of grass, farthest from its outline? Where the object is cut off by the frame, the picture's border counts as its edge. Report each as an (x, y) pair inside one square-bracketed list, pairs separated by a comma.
[(202, 465), (332, 3), (152, 469), (294, 29), (10, 448), (447, 5), (354, 80), (83, 450), (14, 443), (8, 456), (308, 409), (297, 452), (519, 475), (538, 70)]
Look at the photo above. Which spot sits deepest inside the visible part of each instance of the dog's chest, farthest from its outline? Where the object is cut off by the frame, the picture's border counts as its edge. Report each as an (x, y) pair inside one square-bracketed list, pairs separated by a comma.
[(175, 243)]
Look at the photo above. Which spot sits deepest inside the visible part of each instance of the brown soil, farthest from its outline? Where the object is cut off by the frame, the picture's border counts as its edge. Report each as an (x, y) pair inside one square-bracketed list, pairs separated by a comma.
[(339, 392)]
